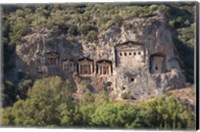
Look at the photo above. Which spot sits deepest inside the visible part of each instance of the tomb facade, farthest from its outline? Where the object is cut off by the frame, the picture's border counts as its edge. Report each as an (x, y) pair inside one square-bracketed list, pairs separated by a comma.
[(157, 63), (104, 68), (69, 65), (51, 58), (85, 67), (144, 50), (130, 55)]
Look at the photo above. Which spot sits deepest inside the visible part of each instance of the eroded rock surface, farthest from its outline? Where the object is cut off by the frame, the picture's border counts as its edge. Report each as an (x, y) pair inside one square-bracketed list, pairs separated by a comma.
[(136, 57)]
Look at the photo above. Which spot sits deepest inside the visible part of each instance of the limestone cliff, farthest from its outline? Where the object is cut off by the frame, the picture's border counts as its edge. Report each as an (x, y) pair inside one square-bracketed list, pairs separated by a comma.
[(137, 57)]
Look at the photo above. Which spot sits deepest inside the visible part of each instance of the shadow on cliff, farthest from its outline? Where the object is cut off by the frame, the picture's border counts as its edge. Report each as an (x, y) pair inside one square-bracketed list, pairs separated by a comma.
[(11, 79), (186, 55)]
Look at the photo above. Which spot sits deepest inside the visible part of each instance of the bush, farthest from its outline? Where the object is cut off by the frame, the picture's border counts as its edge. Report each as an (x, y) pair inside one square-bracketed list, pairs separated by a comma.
[(159, 113), (92, 36), (72, 30), (23, 88), (126, 95), (107, 116), (153, 7), (19, 29), (49, 99), (50, 104), (9, 93), (117, 19), (85, 29)]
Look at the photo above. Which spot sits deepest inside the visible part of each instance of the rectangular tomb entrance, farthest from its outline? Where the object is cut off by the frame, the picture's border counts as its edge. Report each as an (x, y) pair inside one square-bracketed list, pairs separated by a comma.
[(104, 67), (51, 58), (130, 55), (157, 63), (68, 65), (85, 66)]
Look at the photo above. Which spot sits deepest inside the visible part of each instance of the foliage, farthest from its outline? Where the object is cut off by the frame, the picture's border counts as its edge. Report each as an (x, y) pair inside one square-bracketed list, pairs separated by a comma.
[(126, 95), (50, 104), (8, 49), (23, 88), (117, 19), (86, 21), (167, 113), (162, 113), (9, 93), (107, 116), (47, 100), (87, 110), (186, 54), (85, 29), (101, 98), (92, 36), (186, 35), (72, 30), (181, 18)]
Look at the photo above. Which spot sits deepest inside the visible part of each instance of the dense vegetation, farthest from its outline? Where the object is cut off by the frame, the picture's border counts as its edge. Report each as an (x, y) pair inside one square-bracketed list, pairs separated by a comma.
[(42, 103), (50, 103)]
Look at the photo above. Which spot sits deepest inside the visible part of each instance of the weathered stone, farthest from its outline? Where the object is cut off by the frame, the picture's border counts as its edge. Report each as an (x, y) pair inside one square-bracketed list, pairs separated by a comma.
[(139, 54)]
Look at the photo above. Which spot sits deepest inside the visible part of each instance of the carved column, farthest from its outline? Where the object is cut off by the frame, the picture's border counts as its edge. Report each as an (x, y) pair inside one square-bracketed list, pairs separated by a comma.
[(79, 66), (147, 60), (104, 69), (91, 68), (99, 69), (109, 69)]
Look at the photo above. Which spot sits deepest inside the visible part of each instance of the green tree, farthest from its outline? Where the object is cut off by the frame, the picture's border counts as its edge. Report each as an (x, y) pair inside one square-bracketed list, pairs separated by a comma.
[(23, 88), (9, 93), (107, 116), (165, 113), (47, 99)]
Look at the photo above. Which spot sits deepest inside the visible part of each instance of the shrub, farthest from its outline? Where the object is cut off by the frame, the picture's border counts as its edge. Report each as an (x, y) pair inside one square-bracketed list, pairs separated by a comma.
[(9, 93), (153, 7), (92, 36), (49, 99), (117, 19), (72, 30), (84, 29), (126, 95), (107, 116), (23, 88)]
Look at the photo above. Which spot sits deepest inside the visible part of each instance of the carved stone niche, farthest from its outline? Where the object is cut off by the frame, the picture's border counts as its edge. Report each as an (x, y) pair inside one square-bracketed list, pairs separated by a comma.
[(104, 67), (130, 54), (51, 58), (132, 79), (157, 63), (68, 65), (85, 67)]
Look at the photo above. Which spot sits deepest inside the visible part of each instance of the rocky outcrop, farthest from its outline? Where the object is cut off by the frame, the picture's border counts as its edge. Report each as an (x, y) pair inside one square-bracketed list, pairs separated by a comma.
[(140, 55)]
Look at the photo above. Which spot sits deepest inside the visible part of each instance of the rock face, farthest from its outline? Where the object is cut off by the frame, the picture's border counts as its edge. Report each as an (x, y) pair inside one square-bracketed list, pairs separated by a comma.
[(136, 57)]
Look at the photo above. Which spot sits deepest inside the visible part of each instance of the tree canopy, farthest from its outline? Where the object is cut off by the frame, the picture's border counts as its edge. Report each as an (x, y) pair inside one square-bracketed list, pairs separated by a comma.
[(50, 104)]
